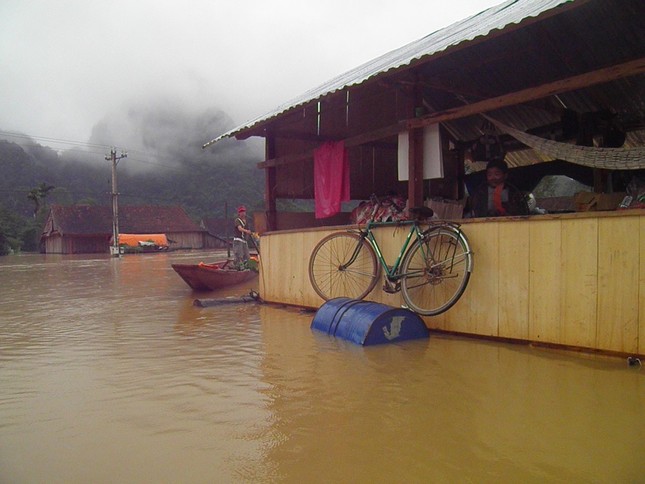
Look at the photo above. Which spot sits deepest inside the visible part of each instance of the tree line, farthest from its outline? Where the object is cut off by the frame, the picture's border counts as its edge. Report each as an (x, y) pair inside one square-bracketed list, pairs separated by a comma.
[(34, 177)]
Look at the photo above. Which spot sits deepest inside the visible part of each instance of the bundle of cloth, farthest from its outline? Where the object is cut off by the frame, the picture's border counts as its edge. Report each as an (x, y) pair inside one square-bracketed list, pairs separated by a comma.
[(387, 209)]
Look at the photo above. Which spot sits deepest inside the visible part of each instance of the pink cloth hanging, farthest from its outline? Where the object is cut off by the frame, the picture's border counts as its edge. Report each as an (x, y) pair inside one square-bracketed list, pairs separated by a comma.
[(331, 178)]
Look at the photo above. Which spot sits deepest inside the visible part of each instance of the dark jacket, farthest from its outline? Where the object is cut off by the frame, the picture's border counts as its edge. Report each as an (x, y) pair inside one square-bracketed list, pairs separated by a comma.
[(514, 205)]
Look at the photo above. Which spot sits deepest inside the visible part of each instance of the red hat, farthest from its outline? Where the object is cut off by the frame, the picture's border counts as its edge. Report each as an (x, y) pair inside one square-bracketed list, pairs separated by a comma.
[(241, 209)]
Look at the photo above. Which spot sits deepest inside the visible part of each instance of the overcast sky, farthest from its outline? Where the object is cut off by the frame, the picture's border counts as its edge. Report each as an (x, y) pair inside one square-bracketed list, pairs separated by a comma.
[(65, 64)]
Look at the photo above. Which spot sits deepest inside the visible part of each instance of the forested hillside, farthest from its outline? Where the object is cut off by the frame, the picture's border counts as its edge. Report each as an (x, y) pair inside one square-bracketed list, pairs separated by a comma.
[(168, 167)]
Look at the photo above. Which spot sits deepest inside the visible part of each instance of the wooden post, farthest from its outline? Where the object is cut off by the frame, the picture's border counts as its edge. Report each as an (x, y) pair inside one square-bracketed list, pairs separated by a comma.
[(415, 151), (415, 167), (270, 180)]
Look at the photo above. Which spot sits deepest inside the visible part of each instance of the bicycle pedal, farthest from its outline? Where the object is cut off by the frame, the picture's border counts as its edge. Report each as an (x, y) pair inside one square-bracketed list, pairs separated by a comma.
[(391, 288)]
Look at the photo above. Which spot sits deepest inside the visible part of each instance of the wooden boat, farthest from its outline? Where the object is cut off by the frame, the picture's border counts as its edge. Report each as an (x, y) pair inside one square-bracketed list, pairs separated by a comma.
[(208, 277)]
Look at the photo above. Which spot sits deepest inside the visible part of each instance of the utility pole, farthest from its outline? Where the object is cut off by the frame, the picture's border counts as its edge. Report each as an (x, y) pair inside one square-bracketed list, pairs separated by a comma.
[(114, 250)]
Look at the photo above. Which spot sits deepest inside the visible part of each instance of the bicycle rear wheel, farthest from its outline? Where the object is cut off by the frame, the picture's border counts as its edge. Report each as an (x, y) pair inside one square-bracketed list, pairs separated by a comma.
[(331, 273), (435, 272)]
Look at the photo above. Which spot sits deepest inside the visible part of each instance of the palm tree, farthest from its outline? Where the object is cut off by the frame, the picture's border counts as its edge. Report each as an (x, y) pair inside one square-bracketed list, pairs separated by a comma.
[(39, 194)]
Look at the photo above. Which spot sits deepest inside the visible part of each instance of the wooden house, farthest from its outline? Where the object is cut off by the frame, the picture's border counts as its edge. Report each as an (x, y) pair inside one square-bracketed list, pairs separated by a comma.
[(83, 229), (218, 232), (555, 86)]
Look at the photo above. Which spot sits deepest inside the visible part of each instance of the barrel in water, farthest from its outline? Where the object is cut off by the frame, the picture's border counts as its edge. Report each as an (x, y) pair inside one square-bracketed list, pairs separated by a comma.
[(368, 323)]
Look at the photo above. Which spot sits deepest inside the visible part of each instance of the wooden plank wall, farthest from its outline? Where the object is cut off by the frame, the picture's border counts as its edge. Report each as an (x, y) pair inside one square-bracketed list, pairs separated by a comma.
[(576, 280), (186, 240), (54, 244)]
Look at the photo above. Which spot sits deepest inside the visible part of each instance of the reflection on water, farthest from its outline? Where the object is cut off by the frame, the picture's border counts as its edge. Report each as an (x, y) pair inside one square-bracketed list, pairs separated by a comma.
[(108, 373)]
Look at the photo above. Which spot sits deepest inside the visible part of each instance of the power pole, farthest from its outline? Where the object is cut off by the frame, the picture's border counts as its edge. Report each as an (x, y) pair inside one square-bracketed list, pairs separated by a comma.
[(114, 250)]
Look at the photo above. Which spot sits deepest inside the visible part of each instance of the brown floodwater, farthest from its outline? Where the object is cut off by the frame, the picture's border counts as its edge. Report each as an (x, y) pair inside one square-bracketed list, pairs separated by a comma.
[(108, 373)]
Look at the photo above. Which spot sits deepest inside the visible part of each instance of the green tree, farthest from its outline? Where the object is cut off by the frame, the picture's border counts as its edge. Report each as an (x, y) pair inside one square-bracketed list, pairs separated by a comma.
[(38, 195), (11, 226), (30, 235)]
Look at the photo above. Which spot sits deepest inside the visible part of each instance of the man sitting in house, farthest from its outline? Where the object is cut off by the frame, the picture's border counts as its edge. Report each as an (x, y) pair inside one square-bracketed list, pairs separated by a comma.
[(497, 197)]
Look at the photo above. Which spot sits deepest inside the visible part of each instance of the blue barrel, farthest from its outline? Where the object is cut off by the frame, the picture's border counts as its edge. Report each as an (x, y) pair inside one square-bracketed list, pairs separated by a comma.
[(368, 323)]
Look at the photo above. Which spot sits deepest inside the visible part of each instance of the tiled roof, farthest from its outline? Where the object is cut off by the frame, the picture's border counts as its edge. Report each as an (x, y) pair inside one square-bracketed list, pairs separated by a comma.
[(156, 219), (86, 220)]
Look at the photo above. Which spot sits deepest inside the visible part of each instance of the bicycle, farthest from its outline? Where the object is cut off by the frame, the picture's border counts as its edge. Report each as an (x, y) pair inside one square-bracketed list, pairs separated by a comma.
[(432, 273)]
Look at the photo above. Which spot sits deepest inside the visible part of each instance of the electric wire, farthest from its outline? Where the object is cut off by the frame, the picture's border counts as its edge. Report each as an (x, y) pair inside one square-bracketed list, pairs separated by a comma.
[(136, 159), (75, 147), (54, 140)]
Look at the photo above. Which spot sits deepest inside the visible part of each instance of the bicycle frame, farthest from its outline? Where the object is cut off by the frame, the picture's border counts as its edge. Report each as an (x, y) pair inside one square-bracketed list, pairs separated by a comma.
[(391, 272)]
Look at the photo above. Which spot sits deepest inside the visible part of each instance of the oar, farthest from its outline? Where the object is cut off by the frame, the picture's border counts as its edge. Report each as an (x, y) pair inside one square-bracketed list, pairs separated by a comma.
[(254, 244), (228, 242)]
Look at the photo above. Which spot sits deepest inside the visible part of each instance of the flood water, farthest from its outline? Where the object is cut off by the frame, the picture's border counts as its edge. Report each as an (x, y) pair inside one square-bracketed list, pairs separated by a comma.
[(108, 373)]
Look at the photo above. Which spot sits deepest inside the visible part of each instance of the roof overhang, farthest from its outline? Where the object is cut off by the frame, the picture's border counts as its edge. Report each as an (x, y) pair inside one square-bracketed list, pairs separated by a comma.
[(505, 16)]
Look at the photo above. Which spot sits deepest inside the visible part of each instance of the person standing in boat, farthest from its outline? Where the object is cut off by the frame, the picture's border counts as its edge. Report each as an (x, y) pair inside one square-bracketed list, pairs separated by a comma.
[(241, 238)]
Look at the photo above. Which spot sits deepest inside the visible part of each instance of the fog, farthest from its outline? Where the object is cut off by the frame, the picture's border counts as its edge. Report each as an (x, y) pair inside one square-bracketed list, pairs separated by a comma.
[(161, 131), (78, 70)]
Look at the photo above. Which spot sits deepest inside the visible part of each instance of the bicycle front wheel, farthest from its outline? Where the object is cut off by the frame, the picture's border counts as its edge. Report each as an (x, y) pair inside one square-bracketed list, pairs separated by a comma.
[(343, 265), (435, 272)]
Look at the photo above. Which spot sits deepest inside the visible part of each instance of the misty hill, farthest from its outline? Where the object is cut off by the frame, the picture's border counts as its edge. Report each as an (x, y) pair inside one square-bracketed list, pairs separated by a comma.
[(165, 165)]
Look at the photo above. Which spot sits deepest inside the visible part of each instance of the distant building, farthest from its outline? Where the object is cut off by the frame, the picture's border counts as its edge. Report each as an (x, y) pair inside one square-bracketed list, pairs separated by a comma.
[(218, 232), (83, 229)]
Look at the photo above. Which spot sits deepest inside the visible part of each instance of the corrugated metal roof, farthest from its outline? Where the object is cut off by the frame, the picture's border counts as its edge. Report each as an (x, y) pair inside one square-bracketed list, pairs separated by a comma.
[(481, 24)]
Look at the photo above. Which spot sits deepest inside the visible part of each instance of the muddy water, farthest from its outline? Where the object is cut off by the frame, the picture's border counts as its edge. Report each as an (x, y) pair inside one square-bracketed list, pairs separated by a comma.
[(108, 373)]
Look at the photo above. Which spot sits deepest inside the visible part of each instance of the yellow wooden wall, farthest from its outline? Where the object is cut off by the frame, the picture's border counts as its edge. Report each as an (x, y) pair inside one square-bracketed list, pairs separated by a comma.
[(574, 280)]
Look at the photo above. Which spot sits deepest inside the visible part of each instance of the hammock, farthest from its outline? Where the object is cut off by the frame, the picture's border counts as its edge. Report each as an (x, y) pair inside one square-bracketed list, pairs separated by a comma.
[(609, 158)]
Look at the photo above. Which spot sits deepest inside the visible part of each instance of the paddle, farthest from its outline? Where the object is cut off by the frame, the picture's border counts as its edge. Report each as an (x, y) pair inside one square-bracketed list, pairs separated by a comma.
[(254, 244), (228, 242)]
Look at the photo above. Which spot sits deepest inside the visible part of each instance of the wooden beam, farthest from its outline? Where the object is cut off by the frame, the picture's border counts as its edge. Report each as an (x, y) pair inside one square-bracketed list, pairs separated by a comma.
[(415, 150), (533, 93), (270, 181), (599, 76), (349, 142), (292, 135), (415, 168)]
